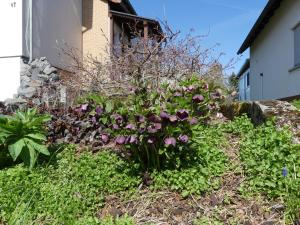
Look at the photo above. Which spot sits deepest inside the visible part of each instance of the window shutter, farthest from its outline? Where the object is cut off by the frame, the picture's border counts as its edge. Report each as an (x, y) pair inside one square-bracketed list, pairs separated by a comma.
[(297, 45)]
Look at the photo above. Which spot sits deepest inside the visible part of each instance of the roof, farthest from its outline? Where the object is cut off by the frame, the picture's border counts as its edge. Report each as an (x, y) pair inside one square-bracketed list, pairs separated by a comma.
[(130, 7), (261, 22), (155, 24), (244, 68)]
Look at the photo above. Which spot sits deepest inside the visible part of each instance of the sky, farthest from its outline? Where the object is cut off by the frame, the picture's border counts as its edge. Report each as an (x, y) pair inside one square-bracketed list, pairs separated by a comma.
[(225, 22)]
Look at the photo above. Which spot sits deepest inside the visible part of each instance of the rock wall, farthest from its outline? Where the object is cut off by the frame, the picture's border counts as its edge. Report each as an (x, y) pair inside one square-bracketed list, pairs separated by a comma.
[(40, 84), (259, 111)]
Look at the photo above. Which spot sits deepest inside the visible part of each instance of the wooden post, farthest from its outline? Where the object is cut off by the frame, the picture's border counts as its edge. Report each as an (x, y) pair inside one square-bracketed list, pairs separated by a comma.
[(146, 30), (112, 33)]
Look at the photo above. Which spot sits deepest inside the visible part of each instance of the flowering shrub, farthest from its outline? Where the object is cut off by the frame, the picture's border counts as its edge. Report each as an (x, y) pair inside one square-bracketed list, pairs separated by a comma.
[(155, 128)]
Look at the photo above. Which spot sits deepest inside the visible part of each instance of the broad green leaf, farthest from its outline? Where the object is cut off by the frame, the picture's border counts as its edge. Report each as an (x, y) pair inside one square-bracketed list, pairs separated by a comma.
[(40, 137), (16, 149), (37, 147)]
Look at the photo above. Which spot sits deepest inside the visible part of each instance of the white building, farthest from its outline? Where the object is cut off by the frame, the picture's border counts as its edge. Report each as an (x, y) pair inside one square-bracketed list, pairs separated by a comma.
[(39, 28), (274, 43), (32, 29)]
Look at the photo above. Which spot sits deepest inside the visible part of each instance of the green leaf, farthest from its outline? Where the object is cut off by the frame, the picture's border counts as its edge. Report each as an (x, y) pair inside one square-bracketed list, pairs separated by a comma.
[(109, 107), (37, 147), (16, 149), (39, 137)]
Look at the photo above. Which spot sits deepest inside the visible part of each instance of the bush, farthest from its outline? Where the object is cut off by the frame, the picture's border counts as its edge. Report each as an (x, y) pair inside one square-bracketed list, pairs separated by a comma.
[(155, 127), (23, 135)]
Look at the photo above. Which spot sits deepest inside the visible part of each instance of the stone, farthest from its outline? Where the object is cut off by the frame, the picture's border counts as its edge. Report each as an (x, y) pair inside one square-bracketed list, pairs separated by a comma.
[(35, 73), (49, 70), (28, 92), (54, 77), (15, 101), (43, 77)]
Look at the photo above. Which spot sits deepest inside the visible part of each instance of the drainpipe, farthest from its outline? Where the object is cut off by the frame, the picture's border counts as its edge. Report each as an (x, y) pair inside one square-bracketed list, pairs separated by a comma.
[(30, 31)]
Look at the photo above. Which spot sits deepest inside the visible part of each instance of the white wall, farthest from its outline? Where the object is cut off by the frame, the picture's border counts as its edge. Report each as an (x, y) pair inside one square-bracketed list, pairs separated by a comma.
[(9, 77), (55, 23), (272, 54), (11, 28)]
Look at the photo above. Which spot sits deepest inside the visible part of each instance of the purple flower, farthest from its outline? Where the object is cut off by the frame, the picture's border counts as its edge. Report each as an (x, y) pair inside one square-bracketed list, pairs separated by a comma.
[(170, 141), (173, 119), (218, 93), (190, 88), (151, 140), (99, 111), (133, 139), (94, 120), (84, 107), (206, 87), (198, 99), (154, 128), (177, 94), (120, 140), (183, 139), (115, 127), (130, 127), (284, 172), (104, 138), (193, 121), (118, 118), (182, 114), (164, 115), (140, 119), (154, 119)]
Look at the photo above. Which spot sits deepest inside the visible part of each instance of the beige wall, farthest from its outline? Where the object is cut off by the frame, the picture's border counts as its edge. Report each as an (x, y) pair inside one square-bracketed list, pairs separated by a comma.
[(272, 54), (96, 28)]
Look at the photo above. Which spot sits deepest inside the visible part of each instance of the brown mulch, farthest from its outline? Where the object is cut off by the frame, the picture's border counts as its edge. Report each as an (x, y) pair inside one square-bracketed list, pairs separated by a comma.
[(227, 205)]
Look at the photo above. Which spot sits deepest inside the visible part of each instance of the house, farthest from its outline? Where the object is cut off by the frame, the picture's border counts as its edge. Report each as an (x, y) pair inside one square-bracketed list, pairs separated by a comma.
[(244, 81), (274, 43), (40, 28)]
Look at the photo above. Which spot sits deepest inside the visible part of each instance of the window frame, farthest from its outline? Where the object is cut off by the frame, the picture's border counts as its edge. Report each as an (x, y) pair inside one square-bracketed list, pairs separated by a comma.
[(296, 31)]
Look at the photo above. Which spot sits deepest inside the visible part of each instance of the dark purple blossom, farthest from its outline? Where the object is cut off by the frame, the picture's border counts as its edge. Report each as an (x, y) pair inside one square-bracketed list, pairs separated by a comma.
[(94, 120), (154, 128), (284, 172), (151, 140), (84, 107), (183, 139), (173, 119), (182, 114), (104, 138), (177, 94), (130, 127), (120, 140), (140, 119), (164, 115), (206, 87), (198, 98), (154, 118), (190, 88), (115, 127), (193, 121), (133, 139), (170, 142), (99, 111), (118, 118)]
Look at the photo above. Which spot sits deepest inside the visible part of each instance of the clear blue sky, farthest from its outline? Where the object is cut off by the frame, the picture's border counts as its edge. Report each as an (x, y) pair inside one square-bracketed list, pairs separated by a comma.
[(227, 21)]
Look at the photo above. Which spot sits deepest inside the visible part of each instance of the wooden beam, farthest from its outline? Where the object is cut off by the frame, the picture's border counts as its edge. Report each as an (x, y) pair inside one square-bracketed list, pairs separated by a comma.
[(146, 30), (112, 33)]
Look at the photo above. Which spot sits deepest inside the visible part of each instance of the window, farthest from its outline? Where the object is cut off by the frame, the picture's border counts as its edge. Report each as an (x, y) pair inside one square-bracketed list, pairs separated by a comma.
[(297, 45), (248, 79)]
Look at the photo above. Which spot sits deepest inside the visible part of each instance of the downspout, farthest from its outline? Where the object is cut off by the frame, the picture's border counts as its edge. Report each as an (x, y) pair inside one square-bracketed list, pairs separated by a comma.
[(30, 31)]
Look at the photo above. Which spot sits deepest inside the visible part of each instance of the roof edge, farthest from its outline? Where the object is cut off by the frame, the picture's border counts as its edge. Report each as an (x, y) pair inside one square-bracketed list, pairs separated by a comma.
[(262, 20)]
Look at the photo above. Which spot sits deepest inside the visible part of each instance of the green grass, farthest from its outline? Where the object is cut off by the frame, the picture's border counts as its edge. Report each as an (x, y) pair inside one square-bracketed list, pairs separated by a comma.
[(68, 192), (72, 187), (296, 103)]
